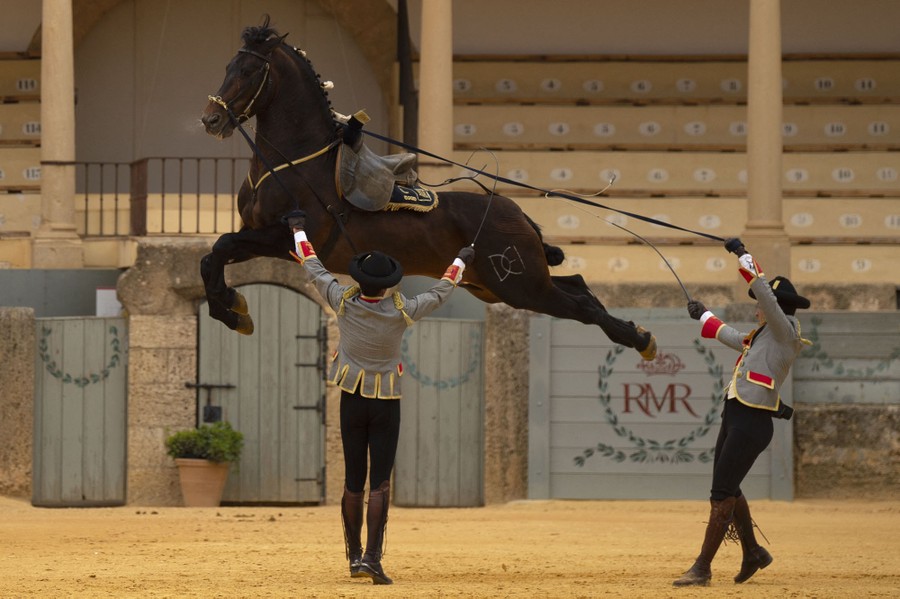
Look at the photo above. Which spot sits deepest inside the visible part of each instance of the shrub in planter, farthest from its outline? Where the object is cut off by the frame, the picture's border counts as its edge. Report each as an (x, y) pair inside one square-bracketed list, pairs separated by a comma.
[(203, 456), (214, 442)]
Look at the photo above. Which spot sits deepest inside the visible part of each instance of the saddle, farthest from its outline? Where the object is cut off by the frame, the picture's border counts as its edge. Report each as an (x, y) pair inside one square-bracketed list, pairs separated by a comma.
[(369, 181)]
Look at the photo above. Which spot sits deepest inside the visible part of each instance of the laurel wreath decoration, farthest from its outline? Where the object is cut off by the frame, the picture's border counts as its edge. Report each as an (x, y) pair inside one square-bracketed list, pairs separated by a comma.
[(448, 383), (82, 380), (673, 451), (824, 361)]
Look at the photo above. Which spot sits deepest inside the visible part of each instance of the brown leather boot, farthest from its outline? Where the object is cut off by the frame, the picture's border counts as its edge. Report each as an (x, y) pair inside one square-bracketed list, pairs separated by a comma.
[(376, 525), (352, 519), (755, 556), (720, 514)]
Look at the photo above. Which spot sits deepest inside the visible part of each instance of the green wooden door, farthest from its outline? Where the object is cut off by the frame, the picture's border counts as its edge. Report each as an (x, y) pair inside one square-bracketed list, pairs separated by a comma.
[(440, 454), (270, 386), (80, 412)]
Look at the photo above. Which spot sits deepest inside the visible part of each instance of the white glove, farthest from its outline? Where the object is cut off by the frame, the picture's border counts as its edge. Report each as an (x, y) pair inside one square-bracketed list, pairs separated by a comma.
[(747, 263)]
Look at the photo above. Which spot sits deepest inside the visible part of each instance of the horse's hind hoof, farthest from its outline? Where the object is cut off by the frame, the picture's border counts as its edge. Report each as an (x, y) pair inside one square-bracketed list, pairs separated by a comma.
[(244, 325), (649, 352), (239, 303)]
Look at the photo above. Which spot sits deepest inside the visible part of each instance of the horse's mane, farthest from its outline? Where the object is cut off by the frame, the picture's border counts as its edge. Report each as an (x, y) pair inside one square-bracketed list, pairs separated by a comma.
[(263, 38), (257, 36)]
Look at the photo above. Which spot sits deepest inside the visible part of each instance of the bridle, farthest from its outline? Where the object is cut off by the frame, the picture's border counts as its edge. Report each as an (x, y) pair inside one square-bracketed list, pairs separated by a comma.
[(245, 115)]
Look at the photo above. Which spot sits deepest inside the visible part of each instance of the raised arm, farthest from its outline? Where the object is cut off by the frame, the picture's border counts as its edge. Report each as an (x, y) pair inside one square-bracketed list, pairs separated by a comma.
[(750, 270), (425, 303), (326, 284)]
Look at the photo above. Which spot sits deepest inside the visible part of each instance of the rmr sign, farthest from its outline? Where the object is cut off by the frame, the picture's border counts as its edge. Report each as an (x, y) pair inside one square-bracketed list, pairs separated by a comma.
[(605, 424)]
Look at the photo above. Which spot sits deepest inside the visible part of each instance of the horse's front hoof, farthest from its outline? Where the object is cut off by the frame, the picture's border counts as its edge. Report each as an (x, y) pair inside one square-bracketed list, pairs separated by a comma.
[(244, 325), (649, 352), (239, 304)]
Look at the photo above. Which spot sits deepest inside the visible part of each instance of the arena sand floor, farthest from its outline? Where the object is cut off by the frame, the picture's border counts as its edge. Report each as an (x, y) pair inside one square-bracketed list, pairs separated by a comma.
[(822, 549)]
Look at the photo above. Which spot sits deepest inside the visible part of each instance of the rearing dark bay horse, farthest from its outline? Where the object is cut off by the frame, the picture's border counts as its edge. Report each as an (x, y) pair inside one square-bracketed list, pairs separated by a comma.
[(297, 135)]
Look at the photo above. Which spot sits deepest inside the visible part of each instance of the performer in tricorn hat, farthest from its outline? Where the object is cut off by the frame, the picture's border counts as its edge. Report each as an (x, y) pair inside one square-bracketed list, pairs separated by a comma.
[(751, 401), (367, 369)]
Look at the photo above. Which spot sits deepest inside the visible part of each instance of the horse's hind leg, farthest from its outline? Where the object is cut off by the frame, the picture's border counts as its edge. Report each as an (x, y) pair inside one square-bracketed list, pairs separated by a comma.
[(619, 331)]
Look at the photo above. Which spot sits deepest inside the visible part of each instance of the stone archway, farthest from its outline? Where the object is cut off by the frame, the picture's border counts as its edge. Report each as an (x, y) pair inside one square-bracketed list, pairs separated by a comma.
[(161, 294)]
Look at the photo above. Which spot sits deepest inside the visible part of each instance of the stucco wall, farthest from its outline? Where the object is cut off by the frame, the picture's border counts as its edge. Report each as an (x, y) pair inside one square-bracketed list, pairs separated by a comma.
[(17, 355), (847, 451)]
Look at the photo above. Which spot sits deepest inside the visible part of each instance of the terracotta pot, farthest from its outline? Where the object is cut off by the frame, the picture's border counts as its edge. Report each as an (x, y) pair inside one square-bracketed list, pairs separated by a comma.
[(202, 481)]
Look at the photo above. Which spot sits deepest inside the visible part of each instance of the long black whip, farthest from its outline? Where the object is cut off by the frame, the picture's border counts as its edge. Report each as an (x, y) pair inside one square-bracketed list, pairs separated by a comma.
[(643, 239), (545, 192)]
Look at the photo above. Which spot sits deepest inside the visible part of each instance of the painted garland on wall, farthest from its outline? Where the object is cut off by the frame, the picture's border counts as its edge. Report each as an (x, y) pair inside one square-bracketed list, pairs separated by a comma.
[(674, 451), (446, 383), (82, 380), (826, 362)]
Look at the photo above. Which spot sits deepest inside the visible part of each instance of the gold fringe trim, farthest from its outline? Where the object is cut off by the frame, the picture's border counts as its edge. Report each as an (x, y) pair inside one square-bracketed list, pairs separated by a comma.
[(394, 206)]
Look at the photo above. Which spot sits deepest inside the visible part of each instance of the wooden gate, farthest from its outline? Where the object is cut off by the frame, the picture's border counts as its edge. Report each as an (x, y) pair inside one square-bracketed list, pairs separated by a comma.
[(440, 452), (604, 424), (80, 412), (269, 386)]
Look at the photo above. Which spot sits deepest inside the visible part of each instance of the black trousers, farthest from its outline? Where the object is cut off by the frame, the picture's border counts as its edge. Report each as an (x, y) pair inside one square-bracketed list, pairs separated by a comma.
[(745, 433), (370, 429)]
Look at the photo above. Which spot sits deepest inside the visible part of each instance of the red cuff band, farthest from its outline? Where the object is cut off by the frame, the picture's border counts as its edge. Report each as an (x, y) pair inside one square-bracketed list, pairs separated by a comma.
[(452, 274), (307, 250), (711, 327)]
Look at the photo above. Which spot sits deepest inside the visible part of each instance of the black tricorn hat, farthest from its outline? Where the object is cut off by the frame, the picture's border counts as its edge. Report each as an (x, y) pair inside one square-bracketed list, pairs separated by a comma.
[(376, 270), (785, 293)]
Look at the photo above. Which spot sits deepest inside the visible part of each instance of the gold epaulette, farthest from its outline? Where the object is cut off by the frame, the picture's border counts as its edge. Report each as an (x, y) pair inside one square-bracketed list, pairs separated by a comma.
[(398, 303), (350, 292)]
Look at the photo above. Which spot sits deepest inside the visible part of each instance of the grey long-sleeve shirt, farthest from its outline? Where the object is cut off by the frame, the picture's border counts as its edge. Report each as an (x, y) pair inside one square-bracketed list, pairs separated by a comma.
[(368, 354)]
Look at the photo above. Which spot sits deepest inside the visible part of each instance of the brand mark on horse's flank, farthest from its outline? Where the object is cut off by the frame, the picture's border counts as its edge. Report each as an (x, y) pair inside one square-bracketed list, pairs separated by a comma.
[(507, 263)]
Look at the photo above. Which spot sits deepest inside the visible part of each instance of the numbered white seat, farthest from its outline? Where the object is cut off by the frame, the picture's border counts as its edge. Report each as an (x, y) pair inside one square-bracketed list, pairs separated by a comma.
[(816, 127), (807, 220), (604, 81), (693, 173), (605, 265), (20, 123), (20, 169), (20, 80)]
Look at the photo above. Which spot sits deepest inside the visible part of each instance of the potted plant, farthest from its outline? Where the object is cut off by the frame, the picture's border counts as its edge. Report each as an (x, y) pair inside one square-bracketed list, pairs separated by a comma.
[(203, 456)]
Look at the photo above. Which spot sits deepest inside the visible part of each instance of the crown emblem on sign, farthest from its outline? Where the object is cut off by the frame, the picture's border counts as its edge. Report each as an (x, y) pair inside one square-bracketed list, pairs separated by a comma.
[(663, 364)]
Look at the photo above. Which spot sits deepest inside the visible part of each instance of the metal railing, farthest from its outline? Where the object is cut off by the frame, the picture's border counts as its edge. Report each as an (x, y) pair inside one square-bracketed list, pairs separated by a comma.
[(159, 196)]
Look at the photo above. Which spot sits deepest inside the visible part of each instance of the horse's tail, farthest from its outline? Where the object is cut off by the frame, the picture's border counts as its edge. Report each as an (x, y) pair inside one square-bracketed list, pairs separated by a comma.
[(553, 254)]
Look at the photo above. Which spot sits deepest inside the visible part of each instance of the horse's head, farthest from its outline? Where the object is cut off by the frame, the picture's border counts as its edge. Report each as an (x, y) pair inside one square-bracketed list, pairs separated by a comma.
[(246, 80)]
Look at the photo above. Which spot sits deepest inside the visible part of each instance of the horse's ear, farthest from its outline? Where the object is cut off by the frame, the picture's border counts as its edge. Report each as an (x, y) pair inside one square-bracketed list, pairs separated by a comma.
[(281, 38), (265, 23)]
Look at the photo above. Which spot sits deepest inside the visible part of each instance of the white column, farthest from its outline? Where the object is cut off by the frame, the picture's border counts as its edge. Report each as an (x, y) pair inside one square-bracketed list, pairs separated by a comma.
[(436, 79), (57, 244), (764, 235)]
